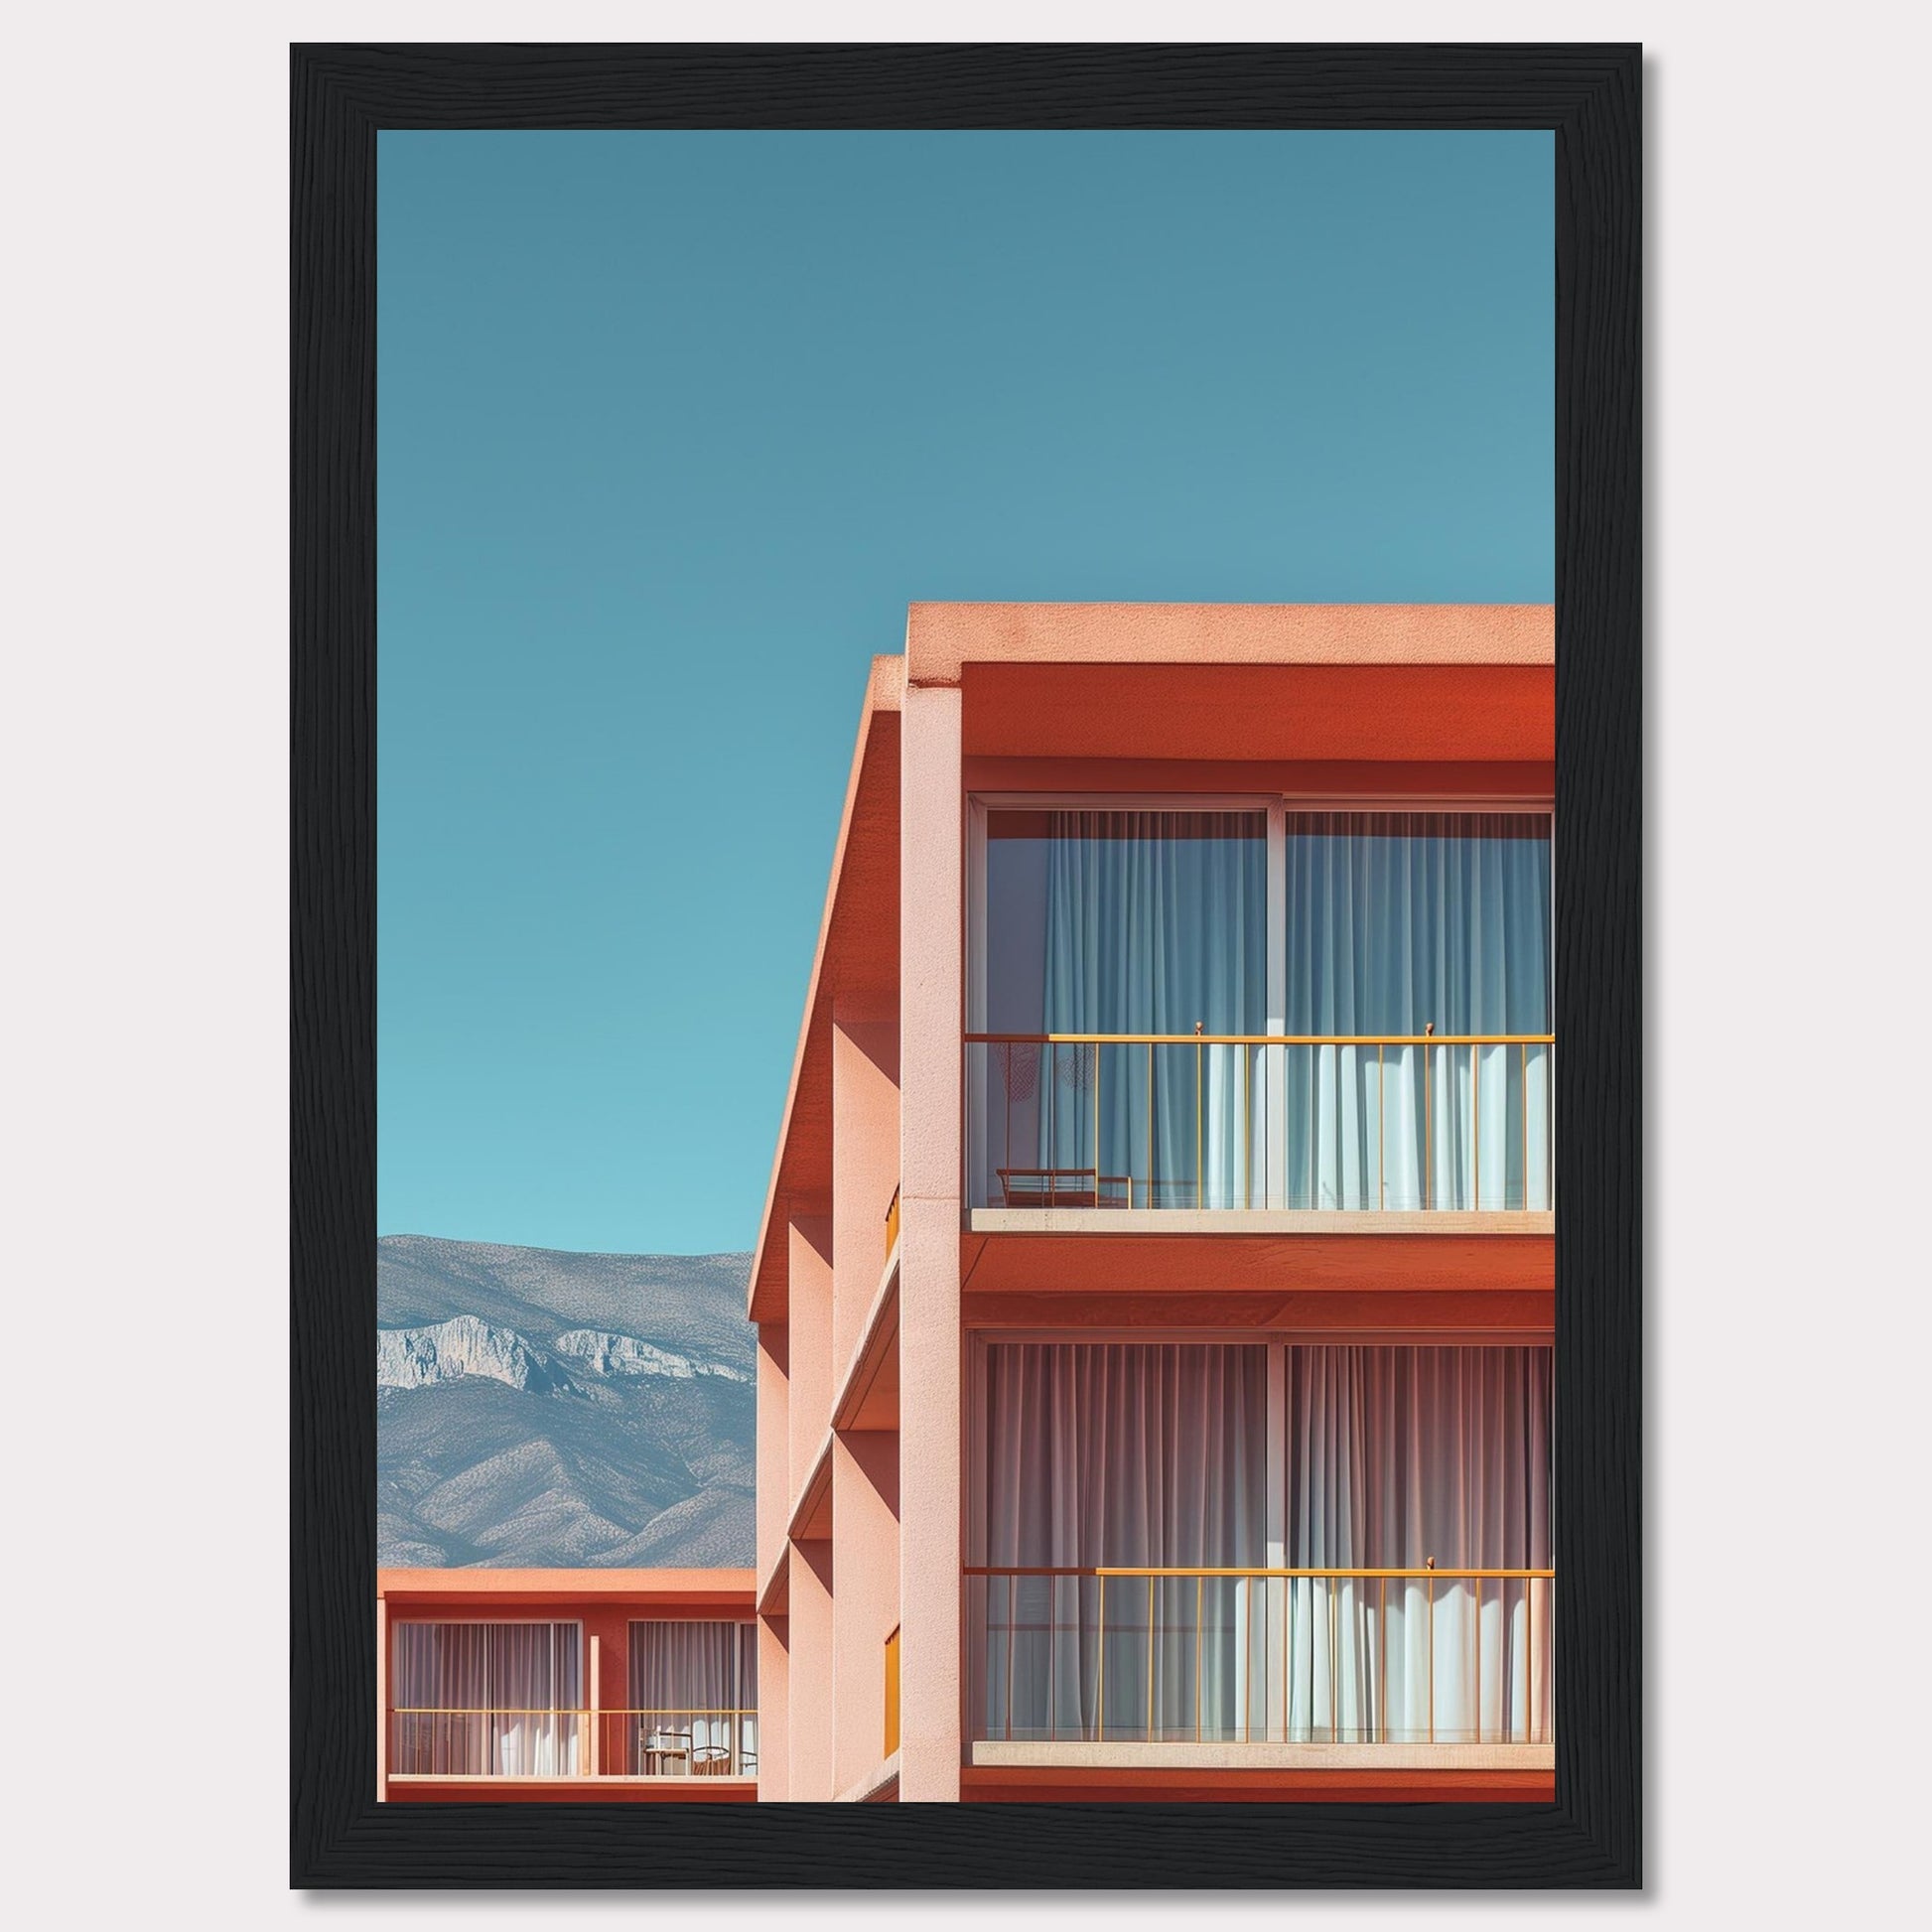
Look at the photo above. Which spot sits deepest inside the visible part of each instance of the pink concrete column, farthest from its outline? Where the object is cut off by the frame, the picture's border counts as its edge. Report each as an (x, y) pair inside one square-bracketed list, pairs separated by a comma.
[(773, 1513), (932, 848), (809, 1346), (864, 1488), (809, 1626), (865, 1466), (775, 1710), (382, 1718), (865, 1166), (810, 1619), (774, 1443), (593, 1746)]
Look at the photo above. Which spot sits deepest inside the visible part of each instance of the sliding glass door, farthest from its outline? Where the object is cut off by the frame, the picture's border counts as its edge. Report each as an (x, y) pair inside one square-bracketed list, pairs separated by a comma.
[(1261, 1007), (488, 1700), (1433, 1464), (1403, 925), (694, 1693), (1104, 923), (1109, 1453), (1152, 1569)]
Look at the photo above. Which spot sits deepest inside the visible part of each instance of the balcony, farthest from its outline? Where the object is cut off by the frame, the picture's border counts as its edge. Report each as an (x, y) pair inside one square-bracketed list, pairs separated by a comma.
[(494, 1695), (678, 1743), (460, 1742), (572, 1743), (1170, 1125), (1426, 1664), (1269, 1555), (1259, 1008)]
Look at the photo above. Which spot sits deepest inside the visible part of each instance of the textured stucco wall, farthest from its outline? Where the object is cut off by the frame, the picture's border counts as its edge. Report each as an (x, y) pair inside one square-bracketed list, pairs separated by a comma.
[(930, 940)]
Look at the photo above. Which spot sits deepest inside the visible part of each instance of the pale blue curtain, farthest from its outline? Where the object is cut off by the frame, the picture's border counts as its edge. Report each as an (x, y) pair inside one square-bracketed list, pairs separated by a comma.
[(1397, 1456), (1107, 1453), (1397, 921), (1156, 922)]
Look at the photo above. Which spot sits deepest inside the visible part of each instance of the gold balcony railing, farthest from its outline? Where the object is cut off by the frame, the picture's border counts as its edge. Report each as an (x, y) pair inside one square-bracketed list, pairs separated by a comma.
[(892, 1223), (1363, 1122), (490, 1743), (557, 1743), (1424, 1655)]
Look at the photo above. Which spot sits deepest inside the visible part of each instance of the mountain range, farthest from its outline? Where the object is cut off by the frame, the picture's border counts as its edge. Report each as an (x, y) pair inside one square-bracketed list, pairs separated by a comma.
[(539, 1409)]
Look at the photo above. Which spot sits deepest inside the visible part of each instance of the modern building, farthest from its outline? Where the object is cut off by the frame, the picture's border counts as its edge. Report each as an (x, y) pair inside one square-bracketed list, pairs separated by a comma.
[(566, 1685), (1155, 1286)]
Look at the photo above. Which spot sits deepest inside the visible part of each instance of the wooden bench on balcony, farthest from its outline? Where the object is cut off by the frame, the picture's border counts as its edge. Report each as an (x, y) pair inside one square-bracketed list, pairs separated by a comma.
[(1063, 1188)]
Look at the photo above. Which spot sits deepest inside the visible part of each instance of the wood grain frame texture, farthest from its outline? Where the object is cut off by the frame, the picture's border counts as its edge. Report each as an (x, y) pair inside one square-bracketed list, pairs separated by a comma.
[(1590, 97)]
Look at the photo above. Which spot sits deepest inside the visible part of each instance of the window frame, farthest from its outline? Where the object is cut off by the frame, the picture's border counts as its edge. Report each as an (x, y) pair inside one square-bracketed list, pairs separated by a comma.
[(1277, 805), (1277, 1340), (739, 1716), (397, 1624), (632, 1623)]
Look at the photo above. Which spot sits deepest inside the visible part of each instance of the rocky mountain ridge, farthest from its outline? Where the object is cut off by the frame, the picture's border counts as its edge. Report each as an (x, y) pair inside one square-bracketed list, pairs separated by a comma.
[(538, 1407)]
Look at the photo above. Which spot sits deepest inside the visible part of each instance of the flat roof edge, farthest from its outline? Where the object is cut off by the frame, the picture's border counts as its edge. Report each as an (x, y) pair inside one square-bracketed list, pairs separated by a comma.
[(942, 638), (458, 1581)]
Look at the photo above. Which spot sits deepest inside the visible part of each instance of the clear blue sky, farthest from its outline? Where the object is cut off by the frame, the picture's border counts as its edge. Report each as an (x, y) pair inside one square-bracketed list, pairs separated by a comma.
[(672, 429)]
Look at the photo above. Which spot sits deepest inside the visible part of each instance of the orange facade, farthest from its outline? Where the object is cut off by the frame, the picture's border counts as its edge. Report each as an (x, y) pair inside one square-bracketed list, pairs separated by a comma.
[(565, 1685), (959, 1205)]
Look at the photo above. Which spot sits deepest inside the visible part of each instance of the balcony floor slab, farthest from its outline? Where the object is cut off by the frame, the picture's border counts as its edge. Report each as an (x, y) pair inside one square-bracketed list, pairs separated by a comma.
[(1237, 1270), (1252, 1220), (1137, 1755)]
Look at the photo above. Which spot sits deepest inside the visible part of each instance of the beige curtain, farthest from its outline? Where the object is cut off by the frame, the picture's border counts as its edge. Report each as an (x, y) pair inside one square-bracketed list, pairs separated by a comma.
[(488, 1700), (694, 1683), (1397, 1456), (1111, 1454)]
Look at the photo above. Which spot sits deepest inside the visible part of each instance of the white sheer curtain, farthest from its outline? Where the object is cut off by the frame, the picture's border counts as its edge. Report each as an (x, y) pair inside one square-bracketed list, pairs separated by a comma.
[(1397, 1456), (1107, 1453), (694, 1683), (1397, 921), (1156, 922), (1111, 1454), (488, 1700)]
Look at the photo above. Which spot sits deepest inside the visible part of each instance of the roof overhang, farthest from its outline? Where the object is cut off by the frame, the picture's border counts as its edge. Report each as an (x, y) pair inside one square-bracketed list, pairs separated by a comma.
[(855, 962), (941, 639), (1296, 682), (722, 1590)]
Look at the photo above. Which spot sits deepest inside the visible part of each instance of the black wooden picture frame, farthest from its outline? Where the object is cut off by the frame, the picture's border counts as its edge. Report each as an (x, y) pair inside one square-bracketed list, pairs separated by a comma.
[(1591, 97)]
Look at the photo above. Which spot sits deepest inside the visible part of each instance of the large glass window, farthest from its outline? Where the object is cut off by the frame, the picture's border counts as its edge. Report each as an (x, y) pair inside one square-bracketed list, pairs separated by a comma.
[(1174, 1008), (1109, 922), (1405, 1459), (1107, 1453), (488, 1700), (1401, 925), (694, 1693), (1389, 1564)]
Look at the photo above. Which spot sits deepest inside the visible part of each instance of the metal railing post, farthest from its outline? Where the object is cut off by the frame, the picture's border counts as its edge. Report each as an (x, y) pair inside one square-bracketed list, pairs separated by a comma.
[(1097, 1201), (1198, 1114), (1150, 1660), (1475, 1125), (1100, 1668)]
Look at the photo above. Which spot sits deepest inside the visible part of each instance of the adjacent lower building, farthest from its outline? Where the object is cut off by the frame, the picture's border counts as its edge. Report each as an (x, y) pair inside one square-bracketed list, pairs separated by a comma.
[(566, 1685), (1155, 1286)]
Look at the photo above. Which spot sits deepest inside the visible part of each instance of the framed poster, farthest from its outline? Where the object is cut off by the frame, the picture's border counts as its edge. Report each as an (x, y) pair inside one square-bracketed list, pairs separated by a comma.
[(1173, 1416)]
